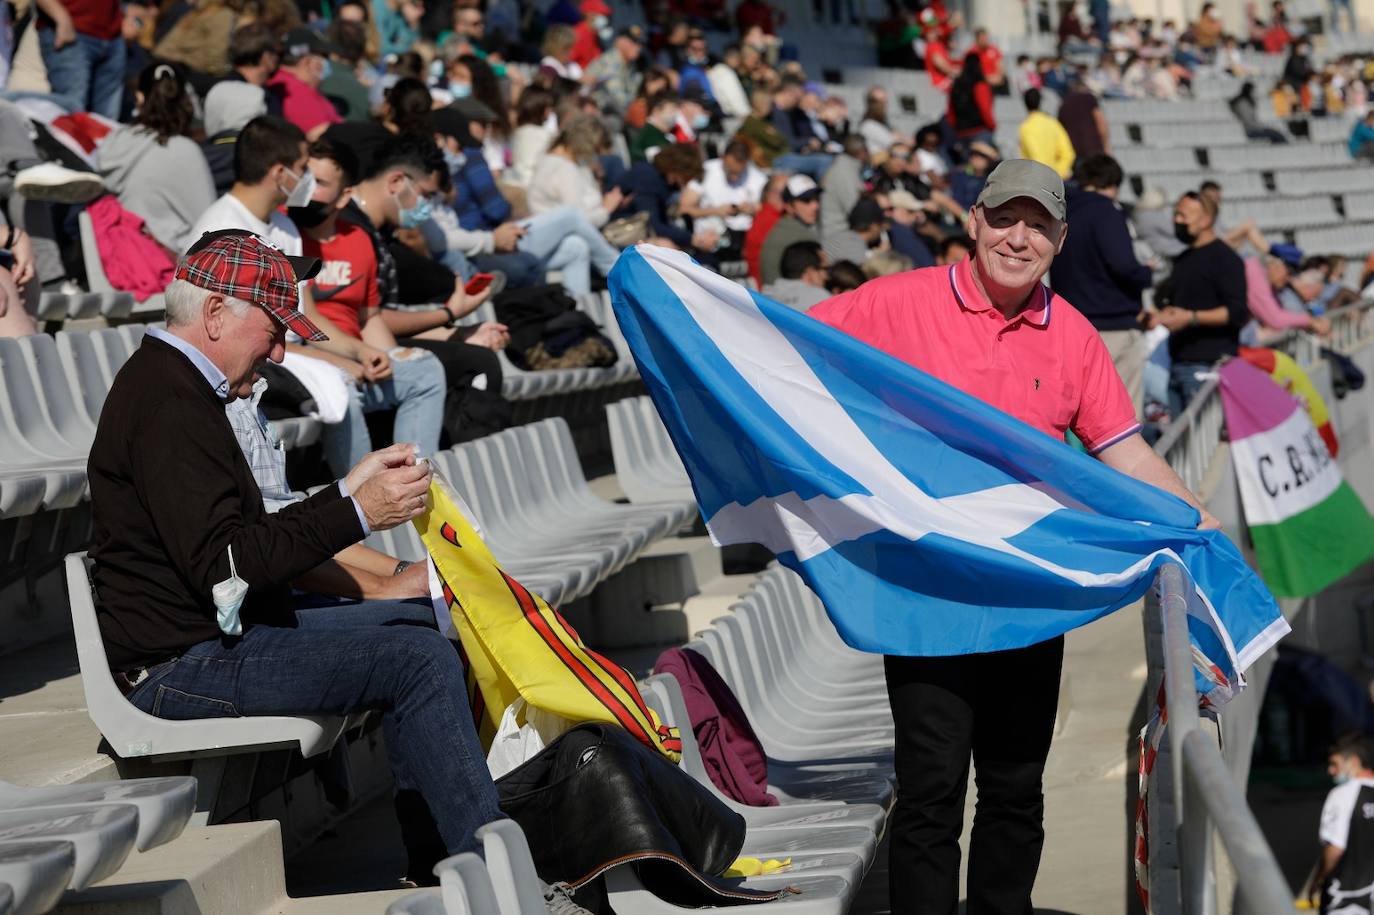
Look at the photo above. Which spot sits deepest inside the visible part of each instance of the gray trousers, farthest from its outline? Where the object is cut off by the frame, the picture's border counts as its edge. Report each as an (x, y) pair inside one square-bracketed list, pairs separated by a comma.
[(33, 216)]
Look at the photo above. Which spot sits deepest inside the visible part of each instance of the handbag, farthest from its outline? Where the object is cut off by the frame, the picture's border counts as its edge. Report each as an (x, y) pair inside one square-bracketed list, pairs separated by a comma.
[(626, 804), (630, 230)]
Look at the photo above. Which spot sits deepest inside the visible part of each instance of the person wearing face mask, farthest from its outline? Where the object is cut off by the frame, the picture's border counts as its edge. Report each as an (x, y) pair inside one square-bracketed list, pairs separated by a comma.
[(657, 129), (693, 116), (989, 326), (271, 170), (593, 33), (135, 160), (614, 78), (532, 136), (1207, 307), (1342, 878), (304, 66), (566, 176), (345, 291)]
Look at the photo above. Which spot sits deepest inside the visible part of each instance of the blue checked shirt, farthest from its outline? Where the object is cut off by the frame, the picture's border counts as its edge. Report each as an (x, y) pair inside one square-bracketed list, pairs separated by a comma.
[(265, 454)]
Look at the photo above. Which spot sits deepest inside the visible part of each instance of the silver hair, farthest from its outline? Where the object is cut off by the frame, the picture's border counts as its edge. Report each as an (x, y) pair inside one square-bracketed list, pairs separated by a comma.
[(185, 300)]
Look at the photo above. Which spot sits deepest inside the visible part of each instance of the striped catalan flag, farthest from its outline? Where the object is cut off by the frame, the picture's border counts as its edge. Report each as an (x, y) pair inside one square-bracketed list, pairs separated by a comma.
[(513, 644)]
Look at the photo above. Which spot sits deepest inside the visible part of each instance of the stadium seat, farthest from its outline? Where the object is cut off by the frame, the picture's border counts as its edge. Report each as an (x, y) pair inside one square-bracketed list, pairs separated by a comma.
[(132, 732), (510, 867), (427, 902), (164, 804), (101, 836), (36, 874), (805, 896), (96, 279), (646, 466)]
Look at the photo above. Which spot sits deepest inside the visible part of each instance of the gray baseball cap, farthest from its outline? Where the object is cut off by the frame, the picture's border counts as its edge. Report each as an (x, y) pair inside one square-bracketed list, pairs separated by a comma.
[(1024, 178)]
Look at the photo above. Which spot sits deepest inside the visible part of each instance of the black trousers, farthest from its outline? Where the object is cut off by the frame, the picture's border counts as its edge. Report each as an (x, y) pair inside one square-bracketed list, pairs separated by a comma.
[(463, 362), (997, 708)]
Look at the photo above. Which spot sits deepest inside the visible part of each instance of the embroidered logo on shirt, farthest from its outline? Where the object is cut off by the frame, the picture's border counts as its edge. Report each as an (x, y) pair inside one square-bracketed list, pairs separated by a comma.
[(1037, 384)]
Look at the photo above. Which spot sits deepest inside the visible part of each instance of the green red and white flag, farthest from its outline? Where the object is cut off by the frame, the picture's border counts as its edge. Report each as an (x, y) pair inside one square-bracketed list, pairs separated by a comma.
[(1309, 528)]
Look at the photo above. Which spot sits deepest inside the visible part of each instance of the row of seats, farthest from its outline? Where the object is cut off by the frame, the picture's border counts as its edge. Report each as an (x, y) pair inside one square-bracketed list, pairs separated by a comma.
[(646, 464), (499, 881), (68, 837), (1352, 239), (538, 514)]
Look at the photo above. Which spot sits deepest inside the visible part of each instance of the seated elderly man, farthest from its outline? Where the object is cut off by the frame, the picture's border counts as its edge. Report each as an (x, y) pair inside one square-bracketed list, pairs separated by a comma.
[(192, 573)]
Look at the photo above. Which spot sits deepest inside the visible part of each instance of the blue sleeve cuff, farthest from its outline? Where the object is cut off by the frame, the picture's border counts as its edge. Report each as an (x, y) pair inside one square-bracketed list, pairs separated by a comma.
[(362, 519)]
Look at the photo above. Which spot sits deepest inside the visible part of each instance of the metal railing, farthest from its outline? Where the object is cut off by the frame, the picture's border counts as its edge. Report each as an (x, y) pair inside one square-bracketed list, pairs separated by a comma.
[(1205, 798)]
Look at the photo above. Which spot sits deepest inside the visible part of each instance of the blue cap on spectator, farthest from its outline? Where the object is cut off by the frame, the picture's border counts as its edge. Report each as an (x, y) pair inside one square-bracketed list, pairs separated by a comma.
[(1289, 254)]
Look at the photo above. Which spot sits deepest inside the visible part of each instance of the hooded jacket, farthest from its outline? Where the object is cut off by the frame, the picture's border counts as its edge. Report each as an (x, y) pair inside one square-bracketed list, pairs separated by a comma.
[(167, 185)]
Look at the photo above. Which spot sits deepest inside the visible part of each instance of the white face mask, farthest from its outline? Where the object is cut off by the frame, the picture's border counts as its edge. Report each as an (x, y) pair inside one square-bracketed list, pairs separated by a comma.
[(304, 190), (228, 596)]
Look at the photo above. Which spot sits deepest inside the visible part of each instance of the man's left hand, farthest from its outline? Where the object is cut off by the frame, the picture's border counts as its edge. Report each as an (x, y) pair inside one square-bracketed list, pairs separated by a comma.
[(376, 364), (1175, 318), (397, 455)]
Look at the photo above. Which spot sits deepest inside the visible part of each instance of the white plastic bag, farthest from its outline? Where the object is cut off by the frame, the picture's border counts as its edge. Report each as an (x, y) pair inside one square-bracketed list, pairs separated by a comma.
[(515, 742)]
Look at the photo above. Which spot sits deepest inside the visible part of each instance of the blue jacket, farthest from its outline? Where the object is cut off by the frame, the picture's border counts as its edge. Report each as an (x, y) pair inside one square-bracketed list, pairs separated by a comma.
[(480, 205), (1097, 272), (651, 195)]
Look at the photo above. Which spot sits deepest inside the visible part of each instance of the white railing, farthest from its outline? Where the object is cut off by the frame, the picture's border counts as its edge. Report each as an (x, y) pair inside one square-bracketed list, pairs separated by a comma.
[(1204, 798)]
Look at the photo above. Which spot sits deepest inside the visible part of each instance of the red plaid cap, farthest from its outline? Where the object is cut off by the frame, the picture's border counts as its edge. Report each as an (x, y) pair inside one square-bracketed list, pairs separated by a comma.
[(237, 263)]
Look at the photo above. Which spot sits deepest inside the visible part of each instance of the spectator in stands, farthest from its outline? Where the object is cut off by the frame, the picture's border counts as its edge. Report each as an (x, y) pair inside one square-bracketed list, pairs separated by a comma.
[(770, 211), (254, 56), (931, 164), (1345, 859), (1044, 138), (966, 183), (1207, 304), (844, 277), (726, 197), (1265, 278), (136, 161), (173, 499), (805, 152), (535, 128), (1097, 271), (612, 77), (1154, 225), (726, 86), (656, 132), (406, 172), (567, 177), (341, 84), (345, 292), (801, 206), (970, 113), (559, 239), (953, 250), (1207, 30), (1084, 120), (228, 108), (843, 185), (940, 63), (557, 47), (83, 53), (751, 13), (801, 279), (693, 116), (766, 142), (866, 230), (1246, 110), (907, 214), (270, 168), (304, 65), (991, 58), (1298, 68), (19, 285), (486, 90), (885, 263), (1361, 142), (648, 188), (874, 126), (943, 712)]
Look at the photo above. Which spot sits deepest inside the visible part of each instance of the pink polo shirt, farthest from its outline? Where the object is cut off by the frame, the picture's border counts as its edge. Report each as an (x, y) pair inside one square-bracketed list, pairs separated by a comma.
[(1047, 366), (302, 104)]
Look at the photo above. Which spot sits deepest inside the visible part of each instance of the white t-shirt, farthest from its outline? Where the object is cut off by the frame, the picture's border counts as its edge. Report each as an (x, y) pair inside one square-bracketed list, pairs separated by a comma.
[(932, 162), (1339, 810), (716, 190), (228, 212)]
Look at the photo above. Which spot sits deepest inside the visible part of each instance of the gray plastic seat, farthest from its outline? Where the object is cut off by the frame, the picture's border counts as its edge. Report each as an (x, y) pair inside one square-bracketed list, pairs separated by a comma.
[(36, 874), (510, 868), (164, 805), (57, 393), (101, 836), (132, 732), (809, 896), (98, 281), (641, 468), (425, 902), (465, 887)]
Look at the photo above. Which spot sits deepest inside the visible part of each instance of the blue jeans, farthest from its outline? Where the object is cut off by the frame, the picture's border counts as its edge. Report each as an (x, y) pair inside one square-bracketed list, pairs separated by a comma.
[(1184, 384), (379, 655), (416, 389), (521, 269), (813, 164), (86, 75), (564, 240)]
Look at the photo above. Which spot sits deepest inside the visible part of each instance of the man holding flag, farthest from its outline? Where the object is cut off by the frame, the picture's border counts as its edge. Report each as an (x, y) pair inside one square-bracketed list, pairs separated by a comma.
[(989, 327)]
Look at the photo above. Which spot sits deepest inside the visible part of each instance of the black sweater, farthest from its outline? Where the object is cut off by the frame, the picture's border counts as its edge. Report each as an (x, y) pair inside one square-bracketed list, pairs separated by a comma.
[(170, 491)]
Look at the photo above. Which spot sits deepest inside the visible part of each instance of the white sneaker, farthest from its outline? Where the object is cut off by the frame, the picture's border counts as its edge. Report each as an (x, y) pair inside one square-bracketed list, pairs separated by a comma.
[(59, 184)]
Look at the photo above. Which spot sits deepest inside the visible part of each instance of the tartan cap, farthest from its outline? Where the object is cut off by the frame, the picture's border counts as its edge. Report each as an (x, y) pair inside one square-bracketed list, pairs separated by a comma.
[(235, 262)]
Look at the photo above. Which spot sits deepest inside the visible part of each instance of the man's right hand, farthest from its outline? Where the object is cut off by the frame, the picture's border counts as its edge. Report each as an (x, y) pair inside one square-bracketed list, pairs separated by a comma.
[(63, 33), (506, 236), (401, 454), (393, 497)]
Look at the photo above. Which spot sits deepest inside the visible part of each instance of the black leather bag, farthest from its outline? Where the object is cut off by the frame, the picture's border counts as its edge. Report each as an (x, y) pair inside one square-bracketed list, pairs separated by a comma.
[(596, 798)]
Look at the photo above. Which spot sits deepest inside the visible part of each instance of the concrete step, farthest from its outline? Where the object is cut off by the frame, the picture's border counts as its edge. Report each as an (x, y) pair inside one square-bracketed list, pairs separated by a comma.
[(374, 903), (208, 870)]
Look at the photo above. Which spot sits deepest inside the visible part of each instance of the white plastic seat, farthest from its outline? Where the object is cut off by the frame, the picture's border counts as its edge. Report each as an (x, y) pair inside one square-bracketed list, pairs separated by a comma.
[(425, 902), (101, 836), (36, 874), (164, 805), (132, 732), (465, 887)]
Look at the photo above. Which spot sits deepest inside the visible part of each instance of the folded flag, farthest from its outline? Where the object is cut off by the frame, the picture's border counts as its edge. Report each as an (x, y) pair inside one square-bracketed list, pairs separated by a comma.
[(927, 521), (1308, 526), (515, 646), (1287, 374)]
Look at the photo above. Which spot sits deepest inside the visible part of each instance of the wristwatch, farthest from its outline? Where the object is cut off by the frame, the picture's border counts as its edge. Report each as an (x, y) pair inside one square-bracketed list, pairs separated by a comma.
[(402, 566)]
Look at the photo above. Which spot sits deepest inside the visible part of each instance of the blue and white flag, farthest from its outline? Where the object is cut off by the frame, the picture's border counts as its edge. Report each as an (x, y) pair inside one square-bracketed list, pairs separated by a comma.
[(927, 521)]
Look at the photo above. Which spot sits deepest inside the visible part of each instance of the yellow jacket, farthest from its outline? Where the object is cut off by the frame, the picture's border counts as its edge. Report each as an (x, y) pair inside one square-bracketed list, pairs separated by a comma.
[(1045, 140)]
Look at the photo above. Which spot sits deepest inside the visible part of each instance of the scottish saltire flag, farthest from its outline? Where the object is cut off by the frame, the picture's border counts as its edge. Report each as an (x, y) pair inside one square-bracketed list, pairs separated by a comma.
[(1308, 526), (928, 522)]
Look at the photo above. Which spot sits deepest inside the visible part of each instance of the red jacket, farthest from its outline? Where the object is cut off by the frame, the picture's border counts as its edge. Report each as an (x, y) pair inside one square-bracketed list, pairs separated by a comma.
[(764, 220)]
